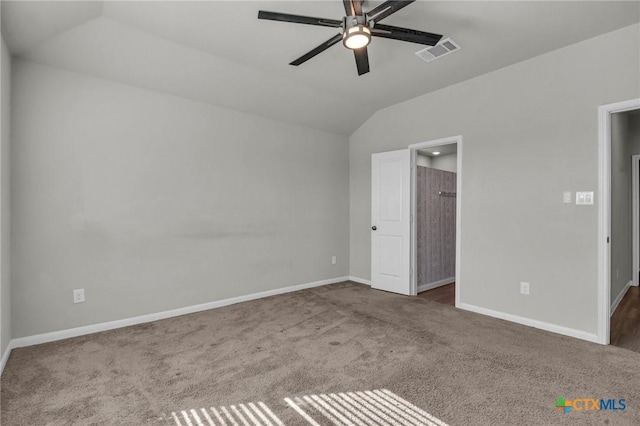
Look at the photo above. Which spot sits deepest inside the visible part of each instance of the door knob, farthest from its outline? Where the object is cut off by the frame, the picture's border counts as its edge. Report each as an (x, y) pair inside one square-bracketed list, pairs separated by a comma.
[(374, 227)]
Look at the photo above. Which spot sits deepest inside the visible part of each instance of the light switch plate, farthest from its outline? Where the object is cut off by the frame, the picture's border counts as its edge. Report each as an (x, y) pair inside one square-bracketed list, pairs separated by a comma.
[(566, 197), (584, 198)]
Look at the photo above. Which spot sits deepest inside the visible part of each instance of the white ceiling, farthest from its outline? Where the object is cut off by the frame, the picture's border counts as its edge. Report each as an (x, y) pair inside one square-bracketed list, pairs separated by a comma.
[(218, 52), (442, 149)]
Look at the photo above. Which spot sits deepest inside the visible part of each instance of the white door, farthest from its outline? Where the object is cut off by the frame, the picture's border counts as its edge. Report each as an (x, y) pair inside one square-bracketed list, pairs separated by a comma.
[(390, 221)]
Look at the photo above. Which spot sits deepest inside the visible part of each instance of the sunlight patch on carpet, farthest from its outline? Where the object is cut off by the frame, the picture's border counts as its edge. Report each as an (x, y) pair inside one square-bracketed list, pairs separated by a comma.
[(235, 415), (372, 408), (379, 407)]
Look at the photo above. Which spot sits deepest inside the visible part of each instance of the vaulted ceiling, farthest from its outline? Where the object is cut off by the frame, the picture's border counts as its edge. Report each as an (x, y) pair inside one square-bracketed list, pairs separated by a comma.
[(218, 52)]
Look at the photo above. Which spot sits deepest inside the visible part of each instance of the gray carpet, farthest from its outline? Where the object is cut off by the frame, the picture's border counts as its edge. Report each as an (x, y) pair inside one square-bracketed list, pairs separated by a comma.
[(462, 368)]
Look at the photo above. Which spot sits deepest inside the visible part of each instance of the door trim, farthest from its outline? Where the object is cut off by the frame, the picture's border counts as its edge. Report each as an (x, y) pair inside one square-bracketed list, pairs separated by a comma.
[(635, 217), (604, 212), (413, 149)]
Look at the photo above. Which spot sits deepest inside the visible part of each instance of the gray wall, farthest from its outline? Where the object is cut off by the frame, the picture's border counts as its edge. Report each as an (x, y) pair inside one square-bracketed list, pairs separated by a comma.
[(625, 142), (152, 202), (530, 131), (5, 273), (423, 160), (634, 121), (448, 162)]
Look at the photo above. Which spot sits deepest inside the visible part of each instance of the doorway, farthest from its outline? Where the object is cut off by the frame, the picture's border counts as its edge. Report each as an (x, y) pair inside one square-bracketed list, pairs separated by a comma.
[(393, 213), (623, 290), (611, 239), (436, 182), (635, 215)]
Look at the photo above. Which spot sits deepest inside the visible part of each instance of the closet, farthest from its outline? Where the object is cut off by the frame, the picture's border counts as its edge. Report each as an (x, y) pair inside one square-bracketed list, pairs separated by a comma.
[(435, 223)]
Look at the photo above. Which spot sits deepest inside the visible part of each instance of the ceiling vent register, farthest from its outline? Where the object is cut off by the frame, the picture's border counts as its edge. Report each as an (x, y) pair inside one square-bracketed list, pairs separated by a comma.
[(441, 49)]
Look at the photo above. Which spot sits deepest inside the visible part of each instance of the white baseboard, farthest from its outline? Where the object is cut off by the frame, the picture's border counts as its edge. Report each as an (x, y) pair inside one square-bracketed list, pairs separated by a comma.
[(558, 329), (5, 356), (435, 284), (96, 328), (618, 299), (360, 280)]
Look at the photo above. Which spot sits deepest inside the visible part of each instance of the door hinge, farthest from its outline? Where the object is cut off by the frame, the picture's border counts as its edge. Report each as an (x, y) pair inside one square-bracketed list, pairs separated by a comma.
[(607, 240)]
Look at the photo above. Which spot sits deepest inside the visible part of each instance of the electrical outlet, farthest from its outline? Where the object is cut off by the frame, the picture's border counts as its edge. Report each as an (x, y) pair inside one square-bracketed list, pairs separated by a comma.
[(524, 288), (334, 260), (78, 295)]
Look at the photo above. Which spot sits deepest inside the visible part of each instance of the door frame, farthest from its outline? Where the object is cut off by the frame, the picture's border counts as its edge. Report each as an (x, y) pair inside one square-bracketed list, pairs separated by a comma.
[(635, 217), (604, 212), (413, 149)]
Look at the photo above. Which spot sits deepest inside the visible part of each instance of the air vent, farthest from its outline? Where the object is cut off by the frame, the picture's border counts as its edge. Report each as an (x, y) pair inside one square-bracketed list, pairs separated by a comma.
[(441, 49)]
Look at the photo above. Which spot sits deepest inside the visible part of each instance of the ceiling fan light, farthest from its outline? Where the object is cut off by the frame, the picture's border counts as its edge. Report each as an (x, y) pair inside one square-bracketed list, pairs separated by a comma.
[(356, 37)]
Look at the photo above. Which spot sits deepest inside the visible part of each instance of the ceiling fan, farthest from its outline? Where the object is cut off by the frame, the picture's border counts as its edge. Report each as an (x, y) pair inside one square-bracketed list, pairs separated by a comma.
[(356, 29)]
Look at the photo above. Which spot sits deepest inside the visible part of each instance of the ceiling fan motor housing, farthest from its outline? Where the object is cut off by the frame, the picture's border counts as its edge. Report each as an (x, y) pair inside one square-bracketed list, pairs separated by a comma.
[(357, 33)]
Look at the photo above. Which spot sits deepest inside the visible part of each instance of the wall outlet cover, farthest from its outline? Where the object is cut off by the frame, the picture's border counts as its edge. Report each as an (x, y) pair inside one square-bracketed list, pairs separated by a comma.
[(78, 295)]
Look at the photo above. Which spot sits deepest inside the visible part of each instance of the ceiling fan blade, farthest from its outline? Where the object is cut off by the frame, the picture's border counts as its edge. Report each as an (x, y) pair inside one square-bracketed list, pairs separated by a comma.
[(324, 46), (353, 7), (357, 7), (406, 34), (377, 14), (362, 60), (297, 19)]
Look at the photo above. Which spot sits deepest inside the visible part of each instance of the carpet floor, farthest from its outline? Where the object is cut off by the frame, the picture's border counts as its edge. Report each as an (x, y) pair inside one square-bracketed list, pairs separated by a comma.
[(337, 341)]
